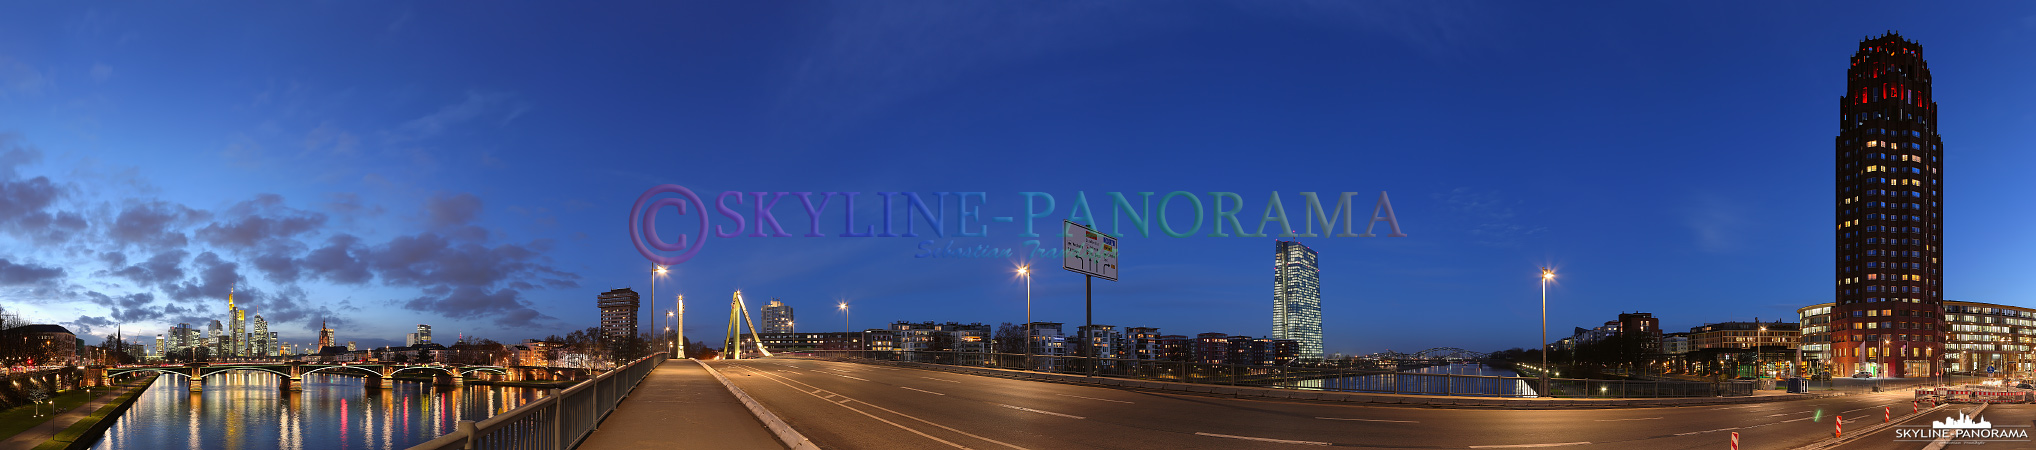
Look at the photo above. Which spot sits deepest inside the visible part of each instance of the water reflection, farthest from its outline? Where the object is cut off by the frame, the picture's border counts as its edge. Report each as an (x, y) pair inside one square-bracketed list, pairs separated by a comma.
[(1426, 381), (248, 410)]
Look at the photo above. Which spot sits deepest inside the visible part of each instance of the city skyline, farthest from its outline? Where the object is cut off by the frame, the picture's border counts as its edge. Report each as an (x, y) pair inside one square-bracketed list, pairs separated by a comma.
[(376, 184)]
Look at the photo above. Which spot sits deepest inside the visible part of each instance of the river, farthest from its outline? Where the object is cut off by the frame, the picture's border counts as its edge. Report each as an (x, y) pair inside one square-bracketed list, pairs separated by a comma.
[(1425, 381), (247, 411)]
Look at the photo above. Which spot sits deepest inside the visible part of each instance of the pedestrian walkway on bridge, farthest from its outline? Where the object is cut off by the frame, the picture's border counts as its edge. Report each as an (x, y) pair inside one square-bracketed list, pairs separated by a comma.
[(680, 405)]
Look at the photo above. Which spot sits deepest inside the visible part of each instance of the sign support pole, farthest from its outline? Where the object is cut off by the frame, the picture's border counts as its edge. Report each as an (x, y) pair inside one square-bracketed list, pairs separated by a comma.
[(1089, 315)]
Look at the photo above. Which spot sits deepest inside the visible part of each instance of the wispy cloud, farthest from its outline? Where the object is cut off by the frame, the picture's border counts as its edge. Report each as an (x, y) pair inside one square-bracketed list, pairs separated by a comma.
[(1716, 222), (503, 107), (1491, 215)]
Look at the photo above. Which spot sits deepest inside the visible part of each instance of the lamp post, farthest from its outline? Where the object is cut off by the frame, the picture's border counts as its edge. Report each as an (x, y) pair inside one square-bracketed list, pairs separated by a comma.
[(681, 326), (656, 273), (1882, 379), (1546, 274), (1760, 359), (1026, 271), (844, 325), (668, 330)]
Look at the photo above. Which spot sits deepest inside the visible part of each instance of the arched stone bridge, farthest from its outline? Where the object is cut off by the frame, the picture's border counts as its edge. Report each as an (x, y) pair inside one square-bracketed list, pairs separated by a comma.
[(378, 375)]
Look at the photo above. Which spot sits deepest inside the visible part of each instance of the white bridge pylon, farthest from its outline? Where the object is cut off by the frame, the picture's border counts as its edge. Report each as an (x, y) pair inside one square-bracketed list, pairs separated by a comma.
[(738, 315)]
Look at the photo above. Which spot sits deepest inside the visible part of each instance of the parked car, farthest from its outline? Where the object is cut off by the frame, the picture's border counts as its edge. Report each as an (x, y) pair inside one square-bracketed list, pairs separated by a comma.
[(1862, 375), (2025, 386)]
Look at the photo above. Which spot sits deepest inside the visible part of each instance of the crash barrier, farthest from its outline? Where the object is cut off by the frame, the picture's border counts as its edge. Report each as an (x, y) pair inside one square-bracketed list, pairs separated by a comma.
[(1970, 394)]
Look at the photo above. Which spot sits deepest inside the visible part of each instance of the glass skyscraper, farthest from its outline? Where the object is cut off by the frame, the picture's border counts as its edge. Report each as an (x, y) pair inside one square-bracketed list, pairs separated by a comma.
[(1297, 297)]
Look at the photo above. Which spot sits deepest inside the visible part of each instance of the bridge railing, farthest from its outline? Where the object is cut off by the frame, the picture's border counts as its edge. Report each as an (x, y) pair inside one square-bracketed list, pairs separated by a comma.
[(1339, 379), (555, 422)]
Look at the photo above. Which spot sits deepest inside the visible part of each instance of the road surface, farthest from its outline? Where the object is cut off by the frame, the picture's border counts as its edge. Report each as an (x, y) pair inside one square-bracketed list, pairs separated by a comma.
[(843, 405)]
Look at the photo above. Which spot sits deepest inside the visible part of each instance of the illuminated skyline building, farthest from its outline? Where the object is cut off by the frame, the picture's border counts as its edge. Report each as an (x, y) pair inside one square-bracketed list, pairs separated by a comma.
[(1888, 317), (777, 317), (324, 335), (618, 312), (1297, 297)]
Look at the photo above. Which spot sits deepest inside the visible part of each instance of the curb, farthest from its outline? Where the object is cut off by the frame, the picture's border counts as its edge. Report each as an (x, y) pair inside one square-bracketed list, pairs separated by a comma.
[(1347, 397), (786, 435)]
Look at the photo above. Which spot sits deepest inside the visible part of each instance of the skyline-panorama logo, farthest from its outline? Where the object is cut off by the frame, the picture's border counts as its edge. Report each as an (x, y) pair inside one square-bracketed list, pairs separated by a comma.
[(1962, 429)]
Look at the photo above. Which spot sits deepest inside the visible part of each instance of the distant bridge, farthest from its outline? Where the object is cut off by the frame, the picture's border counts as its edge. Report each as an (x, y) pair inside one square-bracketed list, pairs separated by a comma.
[(379, 375), (1438, 354)]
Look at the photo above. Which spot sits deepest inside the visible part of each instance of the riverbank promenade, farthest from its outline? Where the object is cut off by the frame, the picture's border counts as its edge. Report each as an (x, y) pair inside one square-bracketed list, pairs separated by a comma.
[(680, 405), (43, 432)]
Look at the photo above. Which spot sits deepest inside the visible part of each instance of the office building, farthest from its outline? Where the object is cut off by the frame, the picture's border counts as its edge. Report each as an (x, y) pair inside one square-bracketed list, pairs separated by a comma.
[(1988, 339), (1976, 337), (618, 313), (1889, 226), (1770, 336), (260, 344), (777, 317), (1297, 297)]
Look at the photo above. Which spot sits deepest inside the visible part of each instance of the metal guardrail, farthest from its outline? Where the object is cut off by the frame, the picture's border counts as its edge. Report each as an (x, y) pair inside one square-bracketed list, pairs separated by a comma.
[(556, 422), (1311, 378)]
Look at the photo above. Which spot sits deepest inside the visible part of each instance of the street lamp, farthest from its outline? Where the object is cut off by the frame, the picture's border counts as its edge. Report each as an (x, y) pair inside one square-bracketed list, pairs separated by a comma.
[(1026, 271), (657, 272), (1760, 359), (1882, 379), (1546, 275), (844, 325), (681, 336), (668, 329)]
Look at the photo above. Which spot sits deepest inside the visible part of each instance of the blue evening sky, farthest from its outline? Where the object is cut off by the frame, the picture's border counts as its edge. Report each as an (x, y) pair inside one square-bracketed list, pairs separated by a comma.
[(470, 165)]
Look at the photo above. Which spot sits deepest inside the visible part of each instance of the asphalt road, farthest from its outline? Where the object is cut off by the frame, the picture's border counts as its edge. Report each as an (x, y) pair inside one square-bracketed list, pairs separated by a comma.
[(856, 406), (2002, 416)]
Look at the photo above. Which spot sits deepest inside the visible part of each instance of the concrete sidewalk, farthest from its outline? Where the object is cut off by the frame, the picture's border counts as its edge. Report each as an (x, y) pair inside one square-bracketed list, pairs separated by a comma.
[(42, 433), (680, 405)]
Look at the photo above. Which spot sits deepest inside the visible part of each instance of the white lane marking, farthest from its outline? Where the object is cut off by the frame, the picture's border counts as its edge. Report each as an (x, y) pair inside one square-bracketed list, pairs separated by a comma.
[(1369, 420), (1706, 431), (1260, 439), (1050, 413), (1619, 420), (846, 376), (937, 379), (1093, 398), (782, 380), (1869, 407), (1530, 445), (923, 390)]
